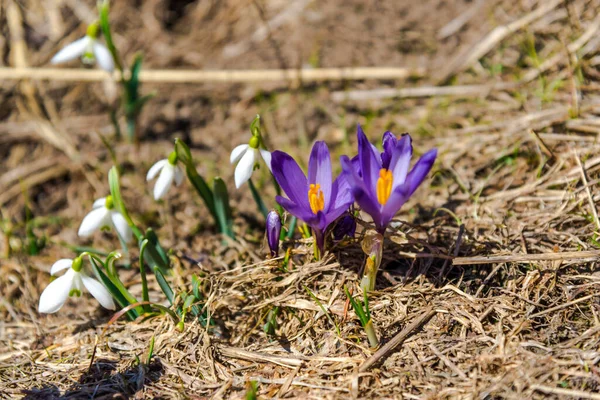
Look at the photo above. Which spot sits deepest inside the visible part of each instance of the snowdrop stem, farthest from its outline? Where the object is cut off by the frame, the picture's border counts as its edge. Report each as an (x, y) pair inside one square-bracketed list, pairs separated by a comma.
[(115, 192), (103, 8), (262, 208)]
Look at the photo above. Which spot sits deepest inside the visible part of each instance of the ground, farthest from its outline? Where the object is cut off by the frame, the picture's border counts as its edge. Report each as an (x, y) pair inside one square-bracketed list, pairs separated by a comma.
[(488, 273)]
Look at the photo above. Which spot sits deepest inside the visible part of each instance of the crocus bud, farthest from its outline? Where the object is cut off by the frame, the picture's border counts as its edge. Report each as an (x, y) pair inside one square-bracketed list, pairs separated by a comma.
[(346, 226), (273, 232)]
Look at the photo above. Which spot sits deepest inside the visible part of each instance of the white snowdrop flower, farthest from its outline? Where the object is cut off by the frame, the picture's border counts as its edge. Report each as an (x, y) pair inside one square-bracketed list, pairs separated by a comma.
[(88, 49), (247, 156), (70, 284), (104, 215), (169, 172)]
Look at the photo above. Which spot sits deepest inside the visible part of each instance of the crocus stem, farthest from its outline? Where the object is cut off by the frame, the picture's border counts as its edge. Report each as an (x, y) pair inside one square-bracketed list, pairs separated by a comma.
[(257, 199), (373, 246), (319, 243), (371, 335)]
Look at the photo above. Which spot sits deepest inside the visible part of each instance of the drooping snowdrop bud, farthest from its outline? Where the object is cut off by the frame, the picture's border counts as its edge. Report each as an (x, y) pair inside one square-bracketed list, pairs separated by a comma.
[(248, 155), (169, 172), (273, 232), (88, 49), (104, 215), (70, 284)]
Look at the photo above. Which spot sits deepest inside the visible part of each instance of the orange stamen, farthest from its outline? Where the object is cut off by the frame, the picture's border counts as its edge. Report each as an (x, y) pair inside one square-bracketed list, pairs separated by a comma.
[(384, 185), (315, 198)]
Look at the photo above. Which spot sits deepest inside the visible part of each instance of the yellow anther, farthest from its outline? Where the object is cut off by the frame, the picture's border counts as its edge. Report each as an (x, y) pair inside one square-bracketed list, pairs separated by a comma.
[(384, 185), (315, 198)]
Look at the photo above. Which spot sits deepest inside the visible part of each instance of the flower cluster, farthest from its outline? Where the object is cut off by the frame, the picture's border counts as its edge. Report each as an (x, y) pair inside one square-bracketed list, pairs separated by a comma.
[(379, 182)]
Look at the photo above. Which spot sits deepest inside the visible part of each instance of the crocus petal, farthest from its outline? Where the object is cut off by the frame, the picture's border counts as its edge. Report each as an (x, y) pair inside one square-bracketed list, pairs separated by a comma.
[(389, 144), (300, 212), (155, 169), (243, 171), (99, 292), (71, 51), (104, 58), (164, 181), (335, 213), (420, 170), (237, 153), (61, 264), (96, 219), (56, 293), (340, 192), (400, 161), (266, 155), (178, 175), (121, 226), (370, 161), (362, 195), (290, 177), (403, 192), (319, 169), (101, 202)]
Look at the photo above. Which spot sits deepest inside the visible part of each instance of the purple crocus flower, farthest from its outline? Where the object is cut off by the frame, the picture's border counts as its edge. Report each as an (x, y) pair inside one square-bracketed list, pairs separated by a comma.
[(273, 232), (381, 182), (317, 200)]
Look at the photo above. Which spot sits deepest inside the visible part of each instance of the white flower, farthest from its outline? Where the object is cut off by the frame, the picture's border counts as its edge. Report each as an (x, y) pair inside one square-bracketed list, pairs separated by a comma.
[(88, 49), (248, 156), (71, 283), (169, 172), (103, 214)]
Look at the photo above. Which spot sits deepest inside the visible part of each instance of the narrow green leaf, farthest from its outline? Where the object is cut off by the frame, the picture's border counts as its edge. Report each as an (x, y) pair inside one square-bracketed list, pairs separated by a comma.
[(164, 262), (222, 208), (260, 204), (196, 287), (357, 308), (188, 302), (164, 285), (150, 351), (117, 295), (145, 296)]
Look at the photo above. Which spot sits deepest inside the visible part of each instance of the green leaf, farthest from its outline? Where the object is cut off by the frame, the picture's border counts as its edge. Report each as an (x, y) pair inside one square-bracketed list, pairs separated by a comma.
[(158, 256), (196, 287), (133, 83), (222, 208), (164, 285), (185, 156), (150, 351), (260, 204), (188, 302), (357, 308), (117, 295)]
